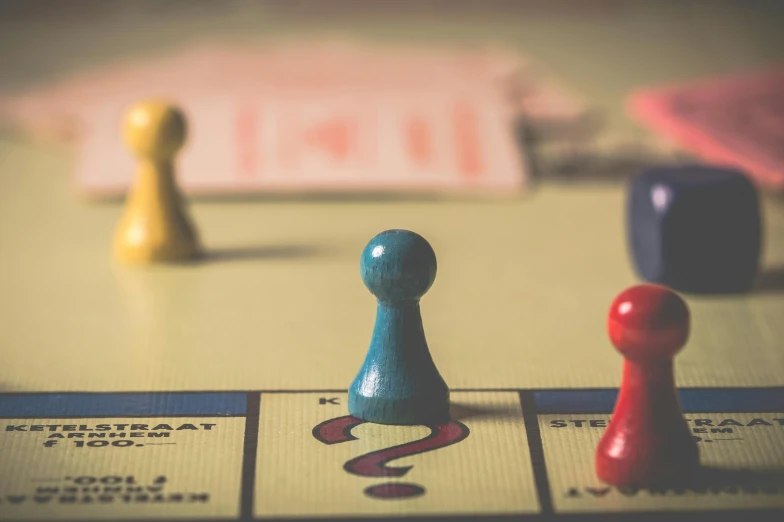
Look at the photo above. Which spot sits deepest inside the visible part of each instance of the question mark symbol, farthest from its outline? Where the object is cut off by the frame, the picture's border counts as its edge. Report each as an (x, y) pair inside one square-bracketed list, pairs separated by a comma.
[(374, 464)]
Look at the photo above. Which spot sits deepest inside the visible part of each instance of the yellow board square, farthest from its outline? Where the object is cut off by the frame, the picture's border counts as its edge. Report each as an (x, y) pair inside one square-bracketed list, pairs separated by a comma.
[(120, 468), (488, 471), (729, 444)]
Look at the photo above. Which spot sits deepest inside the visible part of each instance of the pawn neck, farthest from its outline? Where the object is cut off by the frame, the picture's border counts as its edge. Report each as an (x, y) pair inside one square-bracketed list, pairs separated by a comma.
[(155, 172), (399, 326), (648, 389)]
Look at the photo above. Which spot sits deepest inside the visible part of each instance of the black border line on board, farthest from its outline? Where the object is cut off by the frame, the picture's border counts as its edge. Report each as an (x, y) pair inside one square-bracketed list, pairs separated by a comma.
[(249, 453), (344, 390), (759, 515), (531, 422)]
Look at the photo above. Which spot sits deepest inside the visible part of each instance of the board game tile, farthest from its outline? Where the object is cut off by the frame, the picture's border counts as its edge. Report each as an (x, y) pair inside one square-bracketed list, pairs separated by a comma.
[(101, 468), (745, 446), (307, 442)]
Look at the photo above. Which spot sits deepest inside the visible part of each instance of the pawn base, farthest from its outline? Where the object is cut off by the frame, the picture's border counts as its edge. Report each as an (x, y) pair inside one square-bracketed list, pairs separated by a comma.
[(677, 465), (419, 410)]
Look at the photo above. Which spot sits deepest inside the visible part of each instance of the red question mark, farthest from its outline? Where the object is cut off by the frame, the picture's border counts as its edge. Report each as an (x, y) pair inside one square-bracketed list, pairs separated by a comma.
[(374, 464)]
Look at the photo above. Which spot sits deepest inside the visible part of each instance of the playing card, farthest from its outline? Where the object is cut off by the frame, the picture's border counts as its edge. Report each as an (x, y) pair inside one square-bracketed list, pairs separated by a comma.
[(736, 120), (56, 111), (288, 141), (311, 116)]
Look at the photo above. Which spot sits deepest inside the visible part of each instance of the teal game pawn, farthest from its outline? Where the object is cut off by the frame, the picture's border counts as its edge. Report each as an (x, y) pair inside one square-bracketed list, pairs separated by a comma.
[(398, 383)]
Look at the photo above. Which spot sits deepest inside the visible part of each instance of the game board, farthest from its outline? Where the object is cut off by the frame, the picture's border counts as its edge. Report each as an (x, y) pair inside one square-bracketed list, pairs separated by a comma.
[(216, 390), (219, 388)]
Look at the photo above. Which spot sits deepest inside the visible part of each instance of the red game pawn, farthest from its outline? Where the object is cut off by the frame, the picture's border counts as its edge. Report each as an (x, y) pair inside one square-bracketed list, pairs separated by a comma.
[(648, 441)]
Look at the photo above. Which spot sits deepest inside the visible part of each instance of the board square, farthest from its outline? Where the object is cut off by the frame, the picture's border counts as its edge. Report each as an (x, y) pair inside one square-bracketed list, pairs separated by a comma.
[(97, 468), (315, 460), (727, 441)]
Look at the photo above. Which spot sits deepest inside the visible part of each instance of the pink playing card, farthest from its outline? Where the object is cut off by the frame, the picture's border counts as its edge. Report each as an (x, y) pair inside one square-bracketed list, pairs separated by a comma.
[(284, 141), (737, 121), (311, 116), (56, 111)]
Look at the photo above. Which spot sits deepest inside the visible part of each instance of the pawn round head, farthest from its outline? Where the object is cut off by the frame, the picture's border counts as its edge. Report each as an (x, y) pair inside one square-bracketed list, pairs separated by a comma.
[(398, 265), (154, 129), (648, 322)]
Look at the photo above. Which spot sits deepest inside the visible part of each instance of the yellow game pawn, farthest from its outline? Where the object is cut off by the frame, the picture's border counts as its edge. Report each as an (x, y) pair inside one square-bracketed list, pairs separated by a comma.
[(155, 227)]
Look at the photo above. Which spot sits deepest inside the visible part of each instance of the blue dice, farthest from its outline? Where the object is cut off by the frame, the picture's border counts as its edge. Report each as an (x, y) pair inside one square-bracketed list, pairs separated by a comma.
[(694, 228)]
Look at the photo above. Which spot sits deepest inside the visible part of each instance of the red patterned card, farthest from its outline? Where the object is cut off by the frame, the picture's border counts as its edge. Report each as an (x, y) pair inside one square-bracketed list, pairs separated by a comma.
[(736, 120), (315, 116)]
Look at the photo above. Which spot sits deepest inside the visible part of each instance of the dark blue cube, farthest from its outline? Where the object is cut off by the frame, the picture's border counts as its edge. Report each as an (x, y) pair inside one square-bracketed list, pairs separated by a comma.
[(694, 228)]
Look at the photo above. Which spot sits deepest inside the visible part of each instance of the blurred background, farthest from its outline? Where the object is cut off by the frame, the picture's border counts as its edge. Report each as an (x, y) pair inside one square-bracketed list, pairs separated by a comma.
[(561, 71), (502, 131)]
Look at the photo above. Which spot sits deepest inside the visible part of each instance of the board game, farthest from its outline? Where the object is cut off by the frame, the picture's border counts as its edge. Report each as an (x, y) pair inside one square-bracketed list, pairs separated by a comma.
[(216, 390)]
